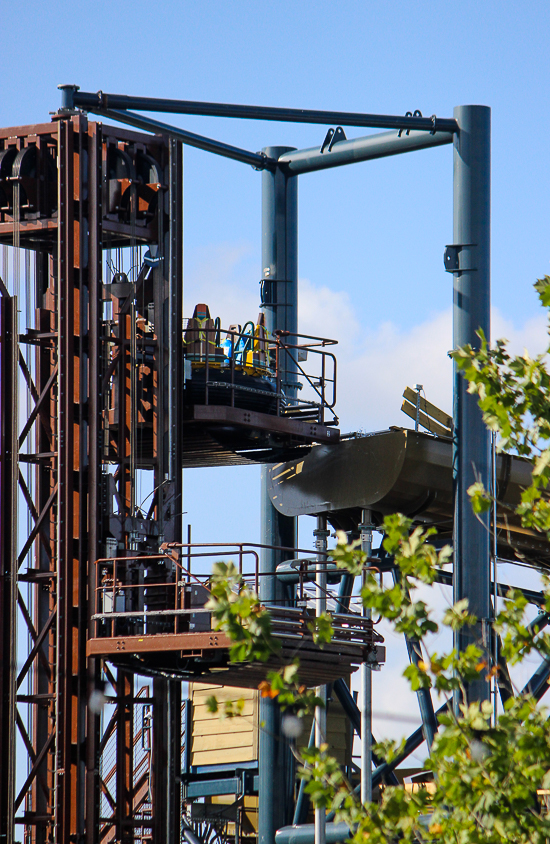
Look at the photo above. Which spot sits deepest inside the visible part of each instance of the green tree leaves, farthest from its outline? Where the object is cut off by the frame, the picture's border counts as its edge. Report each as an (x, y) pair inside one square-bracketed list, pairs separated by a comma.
[(321, 629), (238, 612)]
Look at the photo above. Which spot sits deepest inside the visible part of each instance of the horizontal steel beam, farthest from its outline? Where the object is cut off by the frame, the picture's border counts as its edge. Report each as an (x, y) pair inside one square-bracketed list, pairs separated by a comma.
[(305, 833), (149, 643), (361, 149), (223, 415), (537, 598), (257, 160), (73, 98), (213, 788), (226, 768)]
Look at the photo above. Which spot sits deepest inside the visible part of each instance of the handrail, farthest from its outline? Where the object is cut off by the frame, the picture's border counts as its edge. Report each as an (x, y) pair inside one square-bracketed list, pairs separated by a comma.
[(160, 601), (275, 357)]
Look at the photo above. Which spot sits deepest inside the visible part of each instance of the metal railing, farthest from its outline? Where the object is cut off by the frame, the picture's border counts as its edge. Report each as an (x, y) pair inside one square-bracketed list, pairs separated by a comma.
[(168, 592), (274, 364)]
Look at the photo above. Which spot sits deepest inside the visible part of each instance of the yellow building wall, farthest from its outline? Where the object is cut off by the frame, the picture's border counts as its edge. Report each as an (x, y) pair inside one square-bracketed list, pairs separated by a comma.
[(220, 741)]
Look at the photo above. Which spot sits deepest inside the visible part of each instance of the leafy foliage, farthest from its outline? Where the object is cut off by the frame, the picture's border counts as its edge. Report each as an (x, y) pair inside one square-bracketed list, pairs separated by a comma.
[(237, 610), (230, 709), (487, 774), (321, 629), (514, 395), (284, 685)]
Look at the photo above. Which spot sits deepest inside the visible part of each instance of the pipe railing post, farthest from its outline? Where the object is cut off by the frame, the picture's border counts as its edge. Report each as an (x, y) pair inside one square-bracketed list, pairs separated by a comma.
[(321, 535), (366, 527)]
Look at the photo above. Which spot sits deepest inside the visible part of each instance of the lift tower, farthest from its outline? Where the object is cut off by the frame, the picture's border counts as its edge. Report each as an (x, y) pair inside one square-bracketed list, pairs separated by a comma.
[(76, 197)]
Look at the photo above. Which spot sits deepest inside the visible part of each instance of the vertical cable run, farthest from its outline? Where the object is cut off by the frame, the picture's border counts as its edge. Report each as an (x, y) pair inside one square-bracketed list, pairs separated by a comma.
[(366, 527), (494, 554), (321, 536)]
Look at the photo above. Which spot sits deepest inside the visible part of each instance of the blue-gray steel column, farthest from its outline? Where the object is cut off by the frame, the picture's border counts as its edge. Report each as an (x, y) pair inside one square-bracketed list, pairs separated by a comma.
[(471, 311), (280, 266)]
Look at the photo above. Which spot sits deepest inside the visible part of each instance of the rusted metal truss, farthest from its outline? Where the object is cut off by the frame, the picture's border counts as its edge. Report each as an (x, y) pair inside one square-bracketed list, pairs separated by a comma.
[(69, 191)]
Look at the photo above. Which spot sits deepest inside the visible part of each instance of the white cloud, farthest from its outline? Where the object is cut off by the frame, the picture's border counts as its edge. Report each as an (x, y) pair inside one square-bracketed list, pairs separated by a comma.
[(376, 361), (226, 278), (375, 364), (532, 335), (327, 313)]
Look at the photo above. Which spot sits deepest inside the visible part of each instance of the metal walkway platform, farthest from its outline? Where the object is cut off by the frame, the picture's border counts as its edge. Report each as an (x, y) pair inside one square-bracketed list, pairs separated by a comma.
[(215, 435), (204, 656), (151, 617)]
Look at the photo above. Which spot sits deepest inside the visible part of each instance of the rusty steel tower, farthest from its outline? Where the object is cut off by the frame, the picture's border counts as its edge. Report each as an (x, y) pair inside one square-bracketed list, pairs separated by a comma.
[(74, 197)]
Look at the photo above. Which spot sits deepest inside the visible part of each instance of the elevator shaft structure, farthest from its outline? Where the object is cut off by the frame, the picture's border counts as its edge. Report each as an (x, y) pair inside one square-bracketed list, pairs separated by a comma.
[(73, 193)]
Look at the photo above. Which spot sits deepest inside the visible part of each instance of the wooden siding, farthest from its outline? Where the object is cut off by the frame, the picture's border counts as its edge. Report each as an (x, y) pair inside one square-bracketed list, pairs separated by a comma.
[(221, 741)]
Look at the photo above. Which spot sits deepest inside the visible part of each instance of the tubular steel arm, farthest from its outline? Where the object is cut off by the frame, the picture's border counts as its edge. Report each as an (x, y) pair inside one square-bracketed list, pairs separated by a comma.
[(354, 150), (73, 98), (255, 159)]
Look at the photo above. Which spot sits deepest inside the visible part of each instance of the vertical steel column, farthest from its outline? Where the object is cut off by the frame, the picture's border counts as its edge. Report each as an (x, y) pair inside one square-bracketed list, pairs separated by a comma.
[(44, 718), (171, 321), (124, 757), (8, 559), (77, 498), (66, 787), (166, 757), (95, 216), (280, 267), (471, 311), (173, 526), (321, 536), (166, 761), (366, 527)]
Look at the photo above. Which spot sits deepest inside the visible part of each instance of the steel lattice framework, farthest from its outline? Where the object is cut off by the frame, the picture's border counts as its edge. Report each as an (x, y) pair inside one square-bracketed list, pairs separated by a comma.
[(72, 199)]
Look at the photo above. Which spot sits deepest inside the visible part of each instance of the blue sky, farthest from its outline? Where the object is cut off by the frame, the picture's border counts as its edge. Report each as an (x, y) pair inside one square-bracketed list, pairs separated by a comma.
[(368, 229), (371, 235)]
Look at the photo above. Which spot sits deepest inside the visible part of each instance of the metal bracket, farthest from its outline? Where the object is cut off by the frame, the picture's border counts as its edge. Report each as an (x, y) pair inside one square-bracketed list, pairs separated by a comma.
[(332, 137), (486, 630), (339, 135), (258, 166), (151, 257), (267, 292), (451, 257), (417, 113), (328, 138)]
